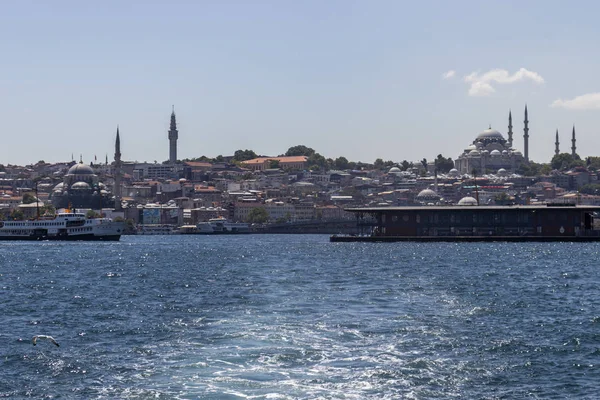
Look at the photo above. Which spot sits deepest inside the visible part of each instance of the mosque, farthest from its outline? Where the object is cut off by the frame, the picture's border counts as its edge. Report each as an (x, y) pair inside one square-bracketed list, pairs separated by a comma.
[(81, 187), (491, 152)]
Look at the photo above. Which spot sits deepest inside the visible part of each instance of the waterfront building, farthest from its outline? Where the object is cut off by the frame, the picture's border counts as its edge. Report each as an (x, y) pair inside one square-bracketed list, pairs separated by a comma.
[(469, 222)]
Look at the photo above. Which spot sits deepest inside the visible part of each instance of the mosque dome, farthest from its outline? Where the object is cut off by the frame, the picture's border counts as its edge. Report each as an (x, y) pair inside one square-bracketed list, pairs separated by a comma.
[(504, 152), (80, 186), (474, 153), (394, 170), (467, 201), (80, 169), (453, 172), (490, 134), (59, 187), (495, 153), (427, 194), (501, 171)]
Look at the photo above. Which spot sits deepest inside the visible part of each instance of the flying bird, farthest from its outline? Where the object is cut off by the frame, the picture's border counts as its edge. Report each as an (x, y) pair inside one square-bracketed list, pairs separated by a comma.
[(50, 338)]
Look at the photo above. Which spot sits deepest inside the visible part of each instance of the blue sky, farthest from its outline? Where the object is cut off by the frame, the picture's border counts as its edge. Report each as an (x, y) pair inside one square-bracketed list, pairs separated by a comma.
[(360, 79)]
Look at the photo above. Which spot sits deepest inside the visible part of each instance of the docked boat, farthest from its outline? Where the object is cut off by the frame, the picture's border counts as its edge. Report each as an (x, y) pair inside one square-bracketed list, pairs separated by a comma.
[(221, 226), (63, 226)]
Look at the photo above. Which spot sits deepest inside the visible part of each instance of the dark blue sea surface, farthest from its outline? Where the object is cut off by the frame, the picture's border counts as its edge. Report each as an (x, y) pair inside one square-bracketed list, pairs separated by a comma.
[(297, 317)]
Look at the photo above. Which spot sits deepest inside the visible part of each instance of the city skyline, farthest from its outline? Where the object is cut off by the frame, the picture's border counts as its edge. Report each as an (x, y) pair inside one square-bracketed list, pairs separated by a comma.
[(409, 80)]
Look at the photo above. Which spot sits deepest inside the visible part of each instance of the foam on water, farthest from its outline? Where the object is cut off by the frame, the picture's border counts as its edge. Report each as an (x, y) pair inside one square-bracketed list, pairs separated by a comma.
[(288, 317)]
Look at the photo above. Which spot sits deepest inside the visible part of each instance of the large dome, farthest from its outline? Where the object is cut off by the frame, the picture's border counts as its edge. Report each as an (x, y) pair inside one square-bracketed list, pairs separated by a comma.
[(80, 169), (427, 194), (490, 134), (80, 186), (467, 201)]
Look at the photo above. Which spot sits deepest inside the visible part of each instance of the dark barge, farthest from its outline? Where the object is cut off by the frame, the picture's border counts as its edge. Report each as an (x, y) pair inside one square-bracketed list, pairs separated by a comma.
[(541, 223)]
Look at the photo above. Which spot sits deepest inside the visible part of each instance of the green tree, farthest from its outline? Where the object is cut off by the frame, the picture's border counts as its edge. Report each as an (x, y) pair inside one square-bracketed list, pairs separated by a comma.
[(257, 215), (317, 160), (378, 164), (28, 198), (300, 150), (47, 209), (562, 161), (16, 215), (503, 199), (406, 165), (244, 155), (593, 163), (592, 188), (442, 164), (92, 214), (341, 163), (273, 164)]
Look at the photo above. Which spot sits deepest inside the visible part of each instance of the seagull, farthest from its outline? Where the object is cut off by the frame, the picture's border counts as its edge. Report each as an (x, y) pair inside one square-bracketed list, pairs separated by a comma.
[(50, 338)]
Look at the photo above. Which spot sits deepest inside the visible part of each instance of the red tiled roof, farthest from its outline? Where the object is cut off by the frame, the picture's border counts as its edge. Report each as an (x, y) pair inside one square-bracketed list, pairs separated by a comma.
[(290, 159)]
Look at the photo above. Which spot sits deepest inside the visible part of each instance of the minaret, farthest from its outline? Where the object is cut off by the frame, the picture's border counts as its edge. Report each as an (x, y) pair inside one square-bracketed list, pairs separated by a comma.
[(526, 136), (573, 147), (510, 132), (173, 135), (117, 171), (556, 145)]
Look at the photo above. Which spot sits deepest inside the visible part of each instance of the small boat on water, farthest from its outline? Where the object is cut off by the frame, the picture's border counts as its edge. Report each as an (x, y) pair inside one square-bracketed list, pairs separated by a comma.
[(63, 226), (216, 226)]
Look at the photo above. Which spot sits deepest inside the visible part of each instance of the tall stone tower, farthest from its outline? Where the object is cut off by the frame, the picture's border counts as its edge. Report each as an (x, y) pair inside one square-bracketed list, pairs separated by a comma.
[(510, 132), (556, 145), (526, 136), (173, 135), (573, 147), (117, 171)]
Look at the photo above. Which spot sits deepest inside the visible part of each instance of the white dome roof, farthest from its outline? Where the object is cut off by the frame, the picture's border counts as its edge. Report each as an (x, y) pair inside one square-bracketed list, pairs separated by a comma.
[(495, 153), (427, 194), (467, 201), (394, 170), (474, 153)]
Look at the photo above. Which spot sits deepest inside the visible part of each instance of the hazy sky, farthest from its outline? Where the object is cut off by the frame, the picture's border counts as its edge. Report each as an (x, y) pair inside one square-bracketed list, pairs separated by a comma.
[(361, 79)]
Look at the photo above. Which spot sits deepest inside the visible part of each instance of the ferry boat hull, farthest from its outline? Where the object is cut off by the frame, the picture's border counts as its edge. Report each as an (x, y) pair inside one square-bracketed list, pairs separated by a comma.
[(63, 227)]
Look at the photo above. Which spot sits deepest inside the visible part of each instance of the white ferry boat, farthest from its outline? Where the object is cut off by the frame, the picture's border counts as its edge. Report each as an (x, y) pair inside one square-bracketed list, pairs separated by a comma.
[(64, 226), (222, 226)]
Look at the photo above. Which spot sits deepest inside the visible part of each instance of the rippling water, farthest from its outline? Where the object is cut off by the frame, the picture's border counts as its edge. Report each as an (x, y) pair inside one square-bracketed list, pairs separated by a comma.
[(297, 317)]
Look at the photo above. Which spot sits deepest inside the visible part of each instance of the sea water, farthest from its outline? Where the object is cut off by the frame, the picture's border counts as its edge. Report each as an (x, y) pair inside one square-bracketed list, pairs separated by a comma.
[(298, 317)]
